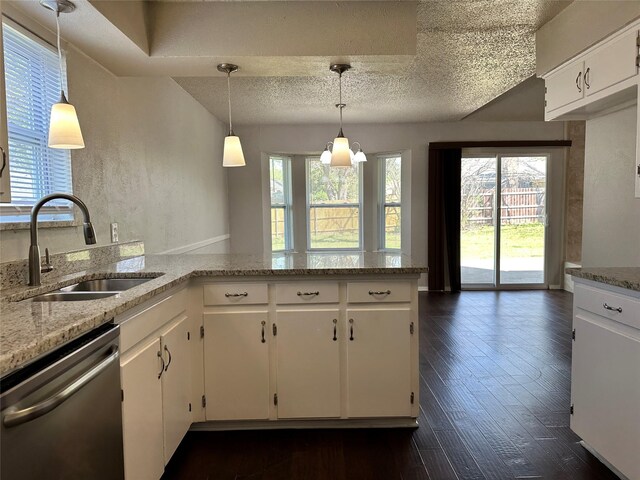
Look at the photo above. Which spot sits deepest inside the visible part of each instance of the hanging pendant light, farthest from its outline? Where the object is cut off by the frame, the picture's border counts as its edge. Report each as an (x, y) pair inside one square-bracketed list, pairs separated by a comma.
[(64, 127), (232, 156), (340, 154)]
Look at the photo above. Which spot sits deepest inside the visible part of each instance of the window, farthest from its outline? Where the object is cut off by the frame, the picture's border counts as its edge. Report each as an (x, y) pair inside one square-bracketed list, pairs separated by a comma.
[(32, 85), (281, 219), (334, 207), (390, 202)]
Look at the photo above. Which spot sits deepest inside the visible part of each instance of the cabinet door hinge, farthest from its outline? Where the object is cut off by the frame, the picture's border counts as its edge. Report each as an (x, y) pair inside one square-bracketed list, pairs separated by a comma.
[(121, 395), (275, 399), (571, 409), (412, 398), (204, 401), (189, 406), (201, 331), (573, 334), (275, 330), (411, 328)]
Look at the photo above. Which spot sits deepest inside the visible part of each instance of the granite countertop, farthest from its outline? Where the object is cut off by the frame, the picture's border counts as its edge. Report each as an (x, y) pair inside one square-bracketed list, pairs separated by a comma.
[(30, 329), (624, 277)]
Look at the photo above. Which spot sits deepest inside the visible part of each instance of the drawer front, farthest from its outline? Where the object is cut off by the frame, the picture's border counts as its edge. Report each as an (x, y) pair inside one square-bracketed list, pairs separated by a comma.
[(306, 292), (151, 319), (236, 294), (378, 292), (621, 308)]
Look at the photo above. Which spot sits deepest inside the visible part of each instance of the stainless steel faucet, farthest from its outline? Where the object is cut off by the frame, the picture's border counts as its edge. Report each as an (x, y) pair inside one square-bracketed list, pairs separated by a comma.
[(35, 265)]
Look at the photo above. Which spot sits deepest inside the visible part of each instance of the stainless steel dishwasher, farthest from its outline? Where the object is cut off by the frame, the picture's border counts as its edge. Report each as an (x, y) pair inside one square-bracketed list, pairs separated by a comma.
[(61, 414)]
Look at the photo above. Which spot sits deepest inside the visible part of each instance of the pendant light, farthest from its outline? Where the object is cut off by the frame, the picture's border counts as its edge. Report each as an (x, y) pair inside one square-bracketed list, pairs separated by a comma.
[(64, 127), (340, 154), (232, 156)]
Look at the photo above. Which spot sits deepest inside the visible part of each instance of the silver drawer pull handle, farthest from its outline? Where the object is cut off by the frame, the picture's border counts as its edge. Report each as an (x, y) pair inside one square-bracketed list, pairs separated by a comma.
[(243, 294), (619, 309), (307, 294), (386, 292)]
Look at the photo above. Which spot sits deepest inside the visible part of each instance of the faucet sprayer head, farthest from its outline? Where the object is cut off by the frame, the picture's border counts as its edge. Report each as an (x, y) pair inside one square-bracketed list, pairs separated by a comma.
[(89, 234)]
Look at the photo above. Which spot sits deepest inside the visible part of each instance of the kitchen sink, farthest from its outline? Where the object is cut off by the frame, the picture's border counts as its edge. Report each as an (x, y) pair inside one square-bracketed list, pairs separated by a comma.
[(90, 290), (59, 296), (106, 285)]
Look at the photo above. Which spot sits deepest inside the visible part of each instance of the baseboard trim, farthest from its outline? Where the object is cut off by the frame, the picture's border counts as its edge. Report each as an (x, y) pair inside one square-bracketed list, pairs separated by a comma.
[(225, 425), (196, 245), (423, 289), (555, 287)]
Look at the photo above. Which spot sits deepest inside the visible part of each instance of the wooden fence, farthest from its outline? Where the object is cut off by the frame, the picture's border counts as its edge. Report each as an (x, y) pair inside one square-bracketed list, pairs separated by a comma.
[(518, 206)]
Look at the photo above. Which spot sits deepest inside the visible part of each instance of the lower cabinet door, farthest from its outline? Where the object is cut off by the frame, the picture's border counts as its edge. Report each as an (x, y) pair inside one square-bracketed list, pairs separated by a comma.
[(142, 412), (379, 362), (605, 393), (236, 365), (308, 365), (176, 385)]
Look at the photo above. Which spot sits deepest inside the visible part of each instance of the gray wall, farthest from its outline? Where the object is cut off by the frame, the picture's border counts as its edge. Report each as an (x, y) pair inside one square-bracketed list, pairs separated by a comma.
[(152, 163), (611, 221), (249, 186)]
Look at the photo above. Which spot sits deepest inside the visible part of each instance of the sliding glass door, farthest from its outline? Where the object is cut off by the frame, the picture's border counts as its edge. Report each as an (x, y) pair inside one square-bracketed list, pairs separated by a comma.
[(503, 221)]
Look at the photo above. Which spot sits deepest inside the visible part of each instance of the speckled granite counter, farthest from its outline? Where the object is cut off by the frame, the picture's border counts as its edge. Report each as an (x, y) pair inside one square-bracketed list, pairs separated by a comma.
[(30, 329), (624, 277)]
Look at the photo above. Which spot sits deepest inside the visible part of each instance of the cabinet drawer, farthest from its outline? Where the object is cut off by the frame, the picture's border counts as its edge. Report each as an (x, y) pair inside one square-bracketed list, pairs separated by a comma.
[(378, 292), (236, 294), (151, 319), (594, 300), (306, 292)]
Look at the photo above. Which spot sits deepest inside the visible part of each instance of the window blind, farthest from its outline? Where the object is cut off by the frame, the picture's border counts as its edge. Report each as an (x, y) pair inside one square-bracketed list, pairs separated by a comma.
[(32, 81)]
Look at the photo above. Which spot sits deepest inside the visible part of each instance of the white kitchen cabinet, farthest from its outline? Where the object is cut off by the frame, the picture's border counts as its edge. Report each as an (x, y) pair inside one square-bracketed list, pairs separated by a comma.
[(308, 364), (155, 369), (379, 362), (605, 375), (5, 184), (614, 62), (176, 385), (599, 80), (236, 356), (565, 86), (140, 374)]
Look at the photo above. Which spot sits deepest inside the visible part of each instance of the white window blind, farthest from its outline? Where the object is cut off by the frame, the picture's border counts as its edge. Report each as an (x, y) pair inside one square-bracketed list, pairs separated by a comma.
[(32, 86)]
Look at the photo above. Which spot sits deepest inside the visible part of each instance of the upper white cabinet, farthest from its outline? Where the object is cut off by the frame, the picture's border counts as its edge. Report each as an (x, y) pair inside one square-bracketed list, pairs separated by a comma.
[(5, 184), (598, 80), (565, 87)]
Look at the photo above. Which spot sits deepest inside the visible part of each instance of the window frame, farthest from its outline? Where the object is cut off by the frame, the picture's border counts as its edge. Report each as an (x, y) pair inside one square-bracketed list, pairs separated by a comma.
[(309, 205), (286, 206), (382, 201), (60, 213)]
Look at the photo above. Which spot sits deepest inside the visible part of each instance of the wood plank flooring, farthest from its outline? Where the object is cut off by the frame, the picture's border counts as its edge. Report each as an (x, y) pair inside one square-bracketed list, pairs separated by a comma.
[(495, 392)]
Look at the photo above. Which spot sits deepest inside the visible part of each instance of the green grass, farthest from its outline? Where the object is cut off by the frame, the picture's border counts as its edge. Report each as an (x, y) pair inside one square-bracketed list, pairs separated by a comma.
[(518, 241)]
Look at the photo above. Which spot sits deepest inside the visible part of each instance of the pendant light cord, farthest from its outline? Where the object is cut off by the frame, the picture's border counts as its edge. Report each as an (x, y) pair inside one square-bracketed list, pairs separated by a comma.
[(59, 52), (229, 90)]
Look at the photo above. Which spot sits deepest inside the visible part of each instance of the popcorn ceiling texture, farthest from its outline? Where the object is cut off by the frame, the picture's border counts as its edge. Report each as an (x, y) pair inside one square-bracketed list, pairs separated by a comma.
[(468, 53)]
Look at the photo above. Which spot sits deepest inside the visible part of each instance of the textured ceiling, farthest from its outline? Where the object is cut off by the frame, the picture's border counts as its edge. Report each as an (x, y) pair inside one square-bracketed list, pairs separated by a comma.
[(468, 53)]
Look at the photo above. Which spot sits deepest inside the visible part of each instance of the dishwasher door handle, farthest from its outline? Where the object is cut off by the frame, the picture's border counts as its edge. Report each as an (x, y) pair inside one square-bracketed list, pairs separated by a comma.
[(14, 417)]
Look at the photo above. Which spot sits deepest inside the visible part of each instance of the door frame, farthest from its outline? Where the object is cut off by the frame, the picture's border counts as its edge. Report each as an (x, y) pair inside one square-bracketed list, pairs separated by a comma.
[(497, 285)]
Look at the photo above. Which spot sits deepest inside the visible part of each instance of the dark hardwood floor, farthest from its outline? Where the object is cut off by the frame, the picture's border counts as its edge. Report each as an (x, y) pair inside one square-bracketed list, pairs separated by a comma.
[(495, 392)]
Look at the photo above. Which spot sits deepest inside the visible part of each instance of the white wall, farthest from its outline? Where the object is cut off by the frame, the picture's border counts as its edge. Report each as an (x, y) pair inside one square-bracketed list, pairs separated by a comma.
[(611, 219), (153, 163), (248, 187)]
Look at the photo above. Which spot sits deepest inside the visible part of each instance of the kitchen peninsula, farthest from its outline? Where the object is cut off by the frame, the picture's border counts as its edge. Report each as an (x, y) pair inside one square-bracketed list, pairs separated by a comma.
[(238, 341)]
